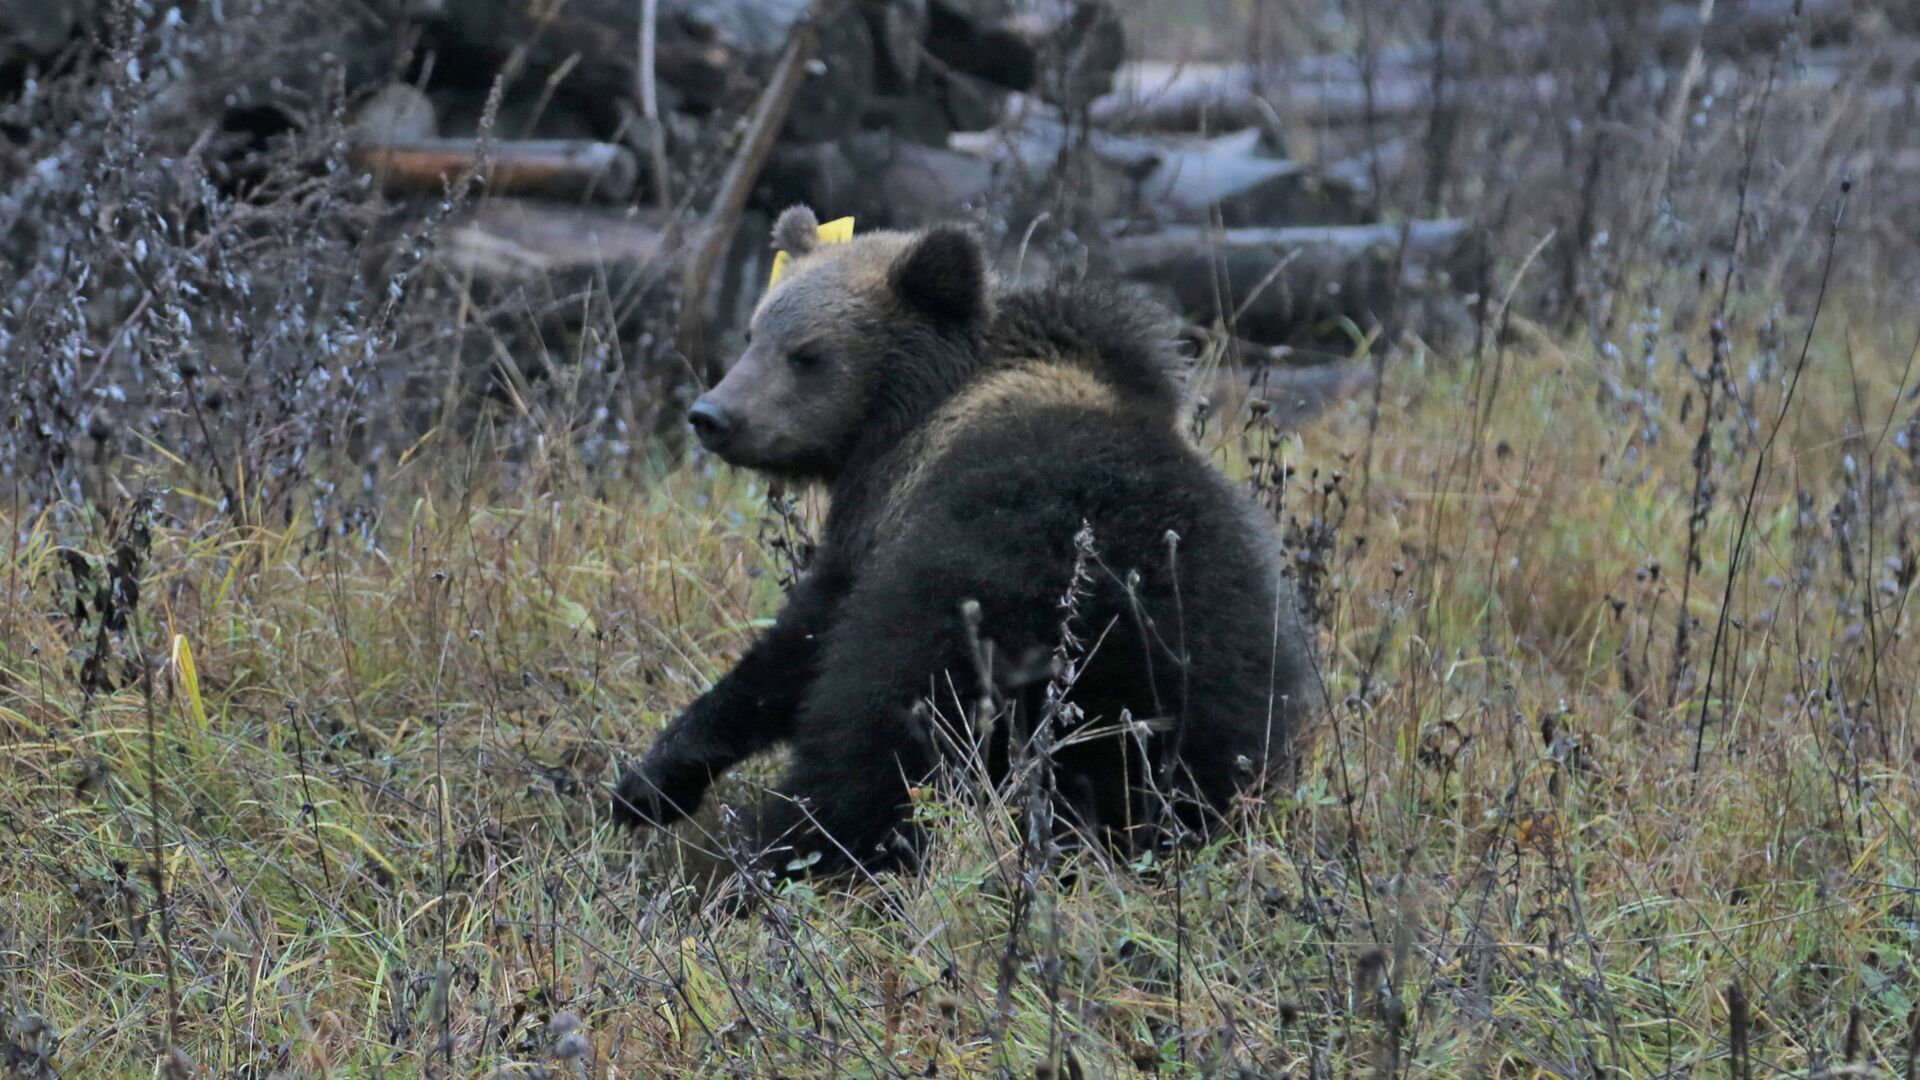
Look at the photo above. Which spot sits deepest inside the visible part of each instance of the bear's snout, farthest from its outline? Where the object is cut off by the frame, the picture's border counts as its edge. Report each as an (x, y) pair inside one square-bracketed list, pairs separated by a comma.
[(711, 424)]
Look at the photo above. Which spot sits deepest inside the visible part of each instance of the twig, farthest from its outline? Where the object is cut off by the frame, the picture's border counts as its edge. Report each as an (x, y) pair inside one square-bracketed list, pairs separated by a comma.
[(1746, 178), (1439, 118), (443, 977), (159, 874), (307, 808), (1759, 470), (1670, 128), (1701, 505), (1740, 1061), (769, 113), (1369, 116), (650, 103)]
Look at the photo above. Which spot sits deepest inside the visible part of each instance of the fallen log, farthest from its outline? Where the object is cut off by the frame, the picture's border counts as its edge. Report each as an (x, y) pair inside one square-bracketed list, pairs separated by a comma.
[(1067, 56), (708, 55), (882, 181), (529, 258), (1215, 97), (1281, 285), (32, 31), (546, 286), (1288, 396), (1169, 180), (562, 169), (1330, 90), (1035, 140), (1240, 189), (1036, 151), (770, 112), (393, 113)]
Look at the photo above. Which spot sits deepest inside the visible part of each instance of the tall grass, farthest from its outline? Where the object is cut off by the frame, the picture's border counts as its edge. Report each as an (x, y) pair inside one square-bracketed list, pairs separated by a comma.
[(313, 672), (368, 817)]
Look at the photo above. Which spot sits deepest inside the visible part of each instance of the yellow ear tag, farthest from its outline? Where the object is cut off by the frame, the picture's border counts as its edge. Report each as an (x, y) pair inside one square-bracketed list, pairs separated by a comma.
[(837, 231)]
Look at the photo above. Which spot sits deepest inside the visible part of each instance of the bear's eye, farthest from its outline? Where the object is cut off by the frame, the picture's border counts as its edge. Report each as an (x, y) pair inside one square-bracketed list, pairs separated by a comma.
[(805, 360)]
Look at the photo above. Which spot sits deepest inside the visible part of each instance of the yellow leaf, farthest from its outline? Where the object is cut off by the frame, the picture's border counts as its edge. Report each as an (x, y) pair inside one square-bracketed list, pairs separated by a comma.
[(189, 678), (1540, 830)]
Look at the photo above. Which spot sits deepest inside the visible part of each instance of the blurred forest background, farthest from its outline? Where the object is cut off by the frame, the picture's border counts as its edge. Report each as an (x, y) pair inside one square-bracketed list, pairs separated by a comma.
[(353, 537)]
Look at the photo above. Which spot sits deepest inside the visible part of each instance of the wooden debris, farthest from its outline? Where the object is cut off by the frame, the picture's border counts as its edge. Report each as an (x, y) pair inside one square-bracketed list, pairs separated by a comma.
[(562, 169), (1280, 285), (1068, 56), (504, 242), (736, 185)]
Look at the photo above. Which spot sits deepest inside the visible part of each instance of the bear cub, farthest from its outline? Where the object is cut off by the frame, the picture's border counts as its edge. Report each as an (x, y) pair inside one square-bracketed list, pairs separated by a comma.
[(1007, 473)]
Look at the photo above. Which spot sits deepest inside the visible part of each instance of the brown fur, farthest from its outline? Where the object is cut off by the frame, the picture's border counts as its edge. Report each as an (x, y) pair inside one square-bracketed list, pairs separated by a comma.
[(1037, 385), (969, 436), (834, 304)]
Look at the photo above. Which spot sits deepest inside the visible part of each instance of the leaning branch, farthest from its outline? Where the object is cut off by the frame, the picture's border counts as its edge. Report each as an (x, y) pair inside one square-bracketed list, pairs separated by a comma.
[(769, 113)]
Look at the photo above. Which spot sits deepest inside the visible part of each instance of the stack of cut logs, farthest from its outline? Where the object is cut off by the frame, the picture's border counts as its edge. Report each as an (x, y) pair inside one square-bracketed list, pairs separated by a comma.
[(631, 144), (650, 143)]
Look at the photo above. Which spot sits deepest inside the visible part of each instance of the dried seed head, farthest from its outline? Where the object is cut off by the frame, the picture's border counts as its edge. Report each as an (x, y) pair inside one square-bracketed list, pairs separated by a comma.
[(572, 1047)]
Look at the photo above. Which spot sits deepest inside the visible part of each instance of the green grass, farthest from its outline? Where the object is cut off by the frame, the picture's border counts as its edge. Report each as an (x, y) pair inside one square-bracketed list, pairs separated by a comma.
[(378, 848)]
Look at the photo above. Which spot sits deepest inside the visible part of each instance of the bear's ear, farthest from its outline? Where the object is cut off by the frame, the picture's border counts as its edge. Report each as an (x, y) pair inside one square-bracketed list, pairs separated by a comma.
[(944, 274), (797, 231)]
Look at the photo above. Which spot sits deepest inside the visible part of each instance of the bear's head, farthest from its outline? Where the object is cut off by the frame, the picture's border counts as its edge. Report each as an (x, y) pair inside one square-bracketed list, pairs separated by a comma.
[(851, 347)]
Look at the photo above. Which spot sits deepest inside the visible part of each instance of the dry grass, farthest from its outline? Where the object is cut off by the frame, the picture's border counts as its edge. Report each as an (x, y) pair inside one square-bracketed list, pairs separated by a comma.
[(305, 717), (370, 769)]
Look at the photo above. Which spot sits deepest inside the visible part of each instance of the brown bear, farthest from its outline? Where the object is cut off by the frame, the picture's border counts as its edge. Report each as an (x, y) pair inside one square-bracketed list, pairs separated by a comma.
[(1015, 516)]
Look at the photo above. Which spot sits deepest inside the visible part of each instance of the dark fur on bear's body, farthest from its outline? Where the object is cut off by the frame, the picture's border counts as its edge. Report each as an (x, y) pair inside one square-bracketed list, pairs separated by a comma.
[(987, 428)]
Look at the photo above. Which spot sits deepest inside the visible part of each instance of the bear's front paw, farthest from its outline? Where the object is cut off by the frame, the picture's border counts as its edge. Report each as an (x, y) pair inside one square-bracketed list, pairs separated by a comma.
[(648, 795)]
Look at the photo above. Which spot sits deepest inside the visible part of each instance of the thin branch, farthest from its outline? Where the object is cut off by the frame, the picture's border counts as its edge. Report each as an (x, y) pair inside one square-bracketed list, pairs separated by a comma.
[(1759, 471), (769, 114)]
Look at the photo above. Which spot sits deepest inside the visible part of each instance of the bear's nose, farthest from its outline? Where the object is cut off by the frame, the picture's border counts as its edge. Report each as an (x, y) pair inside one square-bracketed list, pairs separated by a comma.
[(710, 422)]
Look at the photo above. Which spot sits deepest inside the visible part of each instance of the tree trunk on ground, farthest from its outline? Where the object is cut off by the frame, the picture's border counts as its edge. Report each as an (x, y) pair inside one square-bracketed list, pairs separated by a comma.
[(1067, 57), (1329, 90), (709, 54), (559, 169), (1285, 285), (549, 256)]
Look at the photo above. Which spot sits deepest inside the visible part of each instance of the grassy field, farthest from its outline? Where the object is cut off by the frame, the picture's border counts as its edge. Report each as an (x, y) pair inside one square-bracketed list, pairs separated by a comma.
[(317, 803)]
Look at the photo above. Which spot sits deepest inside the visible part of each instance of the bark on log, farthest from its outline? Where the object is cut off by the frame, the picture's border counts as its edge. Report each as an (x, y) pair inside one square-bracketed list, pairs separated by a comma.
[(897, 29), (1068, 56), (35, 30), (1193, 186), (396, 112), (1217, 97), (1175, 181), (547, 168), (770, 111), (1289, 396), (1035, 140), (548, 256), (1329, 90), (1278, 285), (709, 54), (882, 181)]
